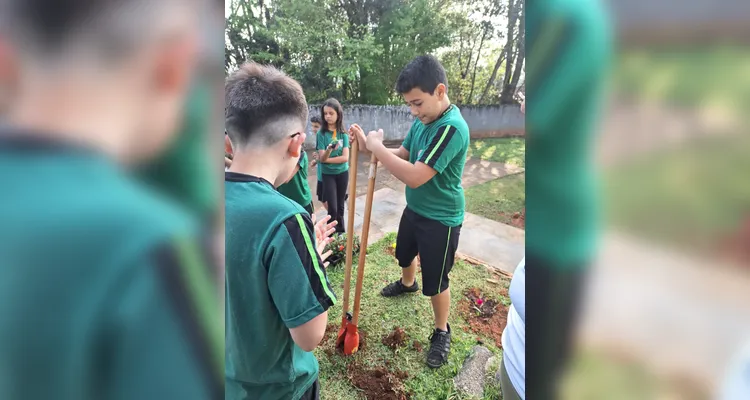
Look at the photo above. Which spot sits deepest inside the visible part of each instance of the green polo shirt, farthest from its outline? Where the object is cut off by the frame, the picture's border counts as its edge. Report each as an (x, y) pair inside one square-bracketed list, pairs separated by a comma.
[(569, 45), (323, 139), (441, 144), (297, 188), (104, 293), (275, 281)]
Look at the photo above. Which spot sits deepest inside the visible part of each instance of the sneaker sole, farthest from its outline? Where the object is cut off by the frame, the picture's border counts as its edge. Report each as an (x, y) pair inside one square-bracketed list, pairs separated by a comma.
[(404, 292), (436, 366)]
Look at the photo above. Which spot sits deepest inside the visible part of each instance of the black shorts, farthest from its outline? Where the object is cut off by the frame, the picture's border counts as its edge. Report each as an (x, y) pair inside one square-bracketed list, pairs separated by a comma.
[(313, 393), (319, 191), (436, 245), (551, 318), (310, 209)]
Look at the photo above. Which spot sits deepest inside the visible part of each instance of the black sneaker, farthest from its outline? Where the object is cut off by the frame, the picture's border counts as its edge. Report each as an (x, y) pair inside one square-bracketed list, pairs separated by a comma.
[(398, 288), (440, 347)]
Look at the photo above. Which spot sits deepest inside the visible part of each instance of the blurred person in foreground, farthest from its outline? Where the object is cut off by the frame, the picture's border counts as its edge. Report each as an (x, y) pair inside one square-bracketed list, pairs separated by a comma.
[(569, 47), (104, 292)]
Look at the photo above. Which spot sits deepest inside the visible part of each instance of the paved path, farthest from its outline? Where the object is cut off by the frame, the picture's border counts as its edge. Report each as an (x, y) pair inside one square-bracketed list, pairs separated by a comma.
[(681, 315)]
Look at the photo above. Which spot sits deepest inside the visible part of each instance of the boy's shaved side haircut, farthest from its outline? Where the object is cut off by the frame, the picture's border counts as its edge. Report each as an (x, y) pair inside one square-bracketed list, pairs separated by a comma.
[(263, 105), (424, 72)]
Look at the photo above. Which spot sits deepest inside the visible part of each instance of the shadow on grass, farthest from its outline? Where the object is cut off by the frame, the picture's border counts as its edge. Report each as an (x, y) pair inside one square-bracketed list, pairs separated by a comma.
[(503, 150)]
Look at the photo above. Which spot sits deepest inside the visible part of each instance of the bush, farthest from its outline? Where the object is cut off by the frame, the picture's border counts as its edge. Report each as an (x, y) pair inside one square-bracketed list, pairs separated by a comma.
[(338, 246)]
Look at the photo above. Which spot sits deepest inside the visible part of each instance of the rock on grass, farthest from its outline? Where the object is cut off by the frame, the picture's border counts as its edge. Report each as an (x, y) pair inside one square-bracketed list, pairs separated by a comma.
[(470, 380)]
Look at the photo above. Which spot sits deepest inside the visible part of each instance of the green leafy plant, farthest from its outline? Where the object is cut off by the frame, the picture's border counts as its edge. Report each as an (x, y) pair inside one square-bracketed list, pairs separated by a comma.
[(338, 246)]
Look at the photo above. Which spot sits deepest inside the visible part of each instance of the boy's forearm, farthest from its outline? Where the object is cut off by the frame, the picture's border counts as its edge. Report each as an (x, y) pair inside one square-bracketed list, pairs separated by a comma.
[(400, 168)]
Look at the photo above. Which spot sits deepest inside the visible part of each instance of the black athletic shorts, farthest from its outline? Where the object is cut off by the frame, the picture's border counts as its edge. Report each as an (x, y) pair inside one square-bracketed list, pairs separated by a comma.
[(309, 208), (436, 245), (319, 192), (313, 393)]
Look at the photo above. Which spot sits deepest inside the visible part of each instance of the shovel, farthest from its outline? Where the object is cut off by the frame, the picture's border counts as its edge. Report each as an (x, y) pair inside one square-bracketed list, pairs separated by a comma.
[(351, 342), (347, 317)]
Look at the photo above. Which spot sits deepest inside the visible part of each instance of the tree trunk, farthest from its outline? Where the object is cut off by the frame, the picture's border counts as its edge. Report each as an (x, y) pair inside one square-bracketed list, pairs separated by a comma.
[(491, 81), (521, 56), (465, 73), (506, 97), (474, 73)]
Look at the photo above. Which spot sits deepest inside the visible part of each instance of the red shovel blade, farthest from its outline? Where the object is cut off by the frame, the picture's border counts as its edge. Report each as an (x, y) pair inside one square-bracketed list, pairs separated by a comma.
[(351, 340), (346, 320)]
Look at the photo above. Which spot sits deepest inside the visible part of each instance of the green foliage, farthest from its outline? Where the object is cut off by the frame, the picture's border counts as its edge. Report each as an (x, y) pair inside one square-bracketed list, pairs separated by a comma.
[(338, 247), (354, 50)]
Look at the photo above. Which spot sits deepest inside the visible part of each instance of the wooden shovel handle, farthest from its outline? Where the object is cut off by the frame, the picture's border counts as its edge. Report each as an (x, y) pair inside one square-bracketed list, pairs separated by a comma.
[(350, 223), (365, 234)]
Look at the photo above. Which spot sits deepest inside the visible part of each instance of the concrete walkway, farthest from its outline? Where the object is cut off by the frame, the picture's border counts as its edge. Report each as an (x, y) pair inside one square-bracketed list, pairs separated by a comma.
[(681, 315)]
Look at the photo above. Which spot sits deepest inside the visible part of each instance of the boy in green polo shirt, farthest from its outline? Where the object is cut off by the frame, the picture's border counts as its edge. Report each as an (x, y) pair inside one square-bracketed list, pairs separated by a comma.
[(277, 292), (297, 188), (104, 293), (430, 162)]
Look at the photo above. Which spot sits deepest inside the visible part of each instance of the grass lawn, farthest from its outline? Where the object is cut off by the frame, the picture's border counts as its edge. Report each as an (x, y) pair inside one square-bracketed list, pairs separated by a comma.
[(379, 316), (689, 76), (504, 150), (499, 199), (691, 196), (595, 375)]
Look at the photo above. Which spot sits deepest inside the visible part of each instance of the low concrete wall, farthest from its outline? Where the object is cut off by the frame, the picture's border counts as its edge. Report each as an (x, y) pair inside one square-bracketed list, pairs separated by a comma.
[(483, 121)]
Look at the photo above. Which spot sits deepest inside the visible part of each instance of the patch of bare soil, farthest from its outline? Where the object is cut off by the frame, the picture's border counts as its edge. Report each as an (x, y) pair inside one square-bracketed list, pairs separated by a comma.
[(485, 316), (395, 339), (517, 219), (379, 383), (736, 247)]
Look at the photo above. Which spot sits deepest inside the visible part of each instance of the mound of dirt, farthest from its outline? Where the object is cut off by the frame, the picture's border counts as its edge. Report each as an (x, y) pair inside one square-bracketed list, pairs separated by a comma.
[(517, 219), (486, 316), (395, 339), (417, 346), (735, 246), (379, 383)]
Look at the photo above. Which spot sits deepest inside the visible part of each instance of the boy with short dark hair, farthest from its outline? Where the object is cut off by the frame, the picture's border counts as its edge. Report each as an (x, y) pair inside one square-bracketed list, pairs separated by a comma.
[(277, 293), (297, 188), (430, 162)]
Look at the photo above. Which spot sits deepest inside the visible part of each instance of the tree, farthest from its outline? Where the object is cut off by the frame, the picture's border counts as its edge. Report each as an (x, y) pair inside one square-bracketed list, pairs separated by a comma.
[(354, 50), (513, 47)]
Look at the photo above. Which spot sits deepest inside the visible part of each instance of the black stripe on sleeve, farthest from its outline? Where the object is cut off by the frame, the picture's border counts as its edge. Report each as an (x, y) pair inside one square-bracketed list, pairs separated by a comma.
[(430, 158), (313, 267), (176, 286)]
